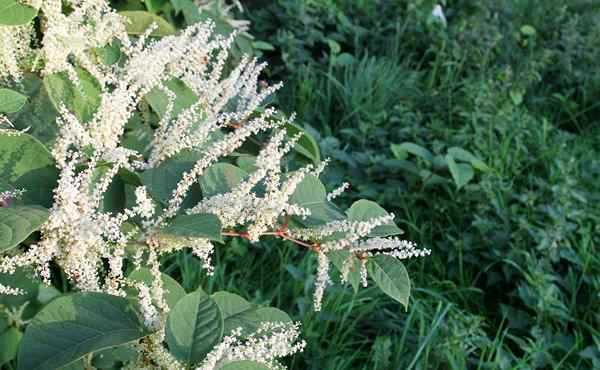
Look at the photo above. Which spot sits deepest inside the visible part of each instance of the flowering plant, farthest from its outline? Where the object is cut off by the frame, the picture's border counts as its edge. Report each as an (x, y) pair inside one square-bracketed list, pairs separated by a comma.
[(161, 142)]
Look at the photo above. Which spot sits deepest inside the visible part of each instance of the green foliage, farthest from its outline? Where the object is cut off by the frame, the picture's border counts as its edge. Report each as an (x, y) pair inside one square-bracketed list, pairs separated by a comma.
[(174, 291), (243, 365), (194, 326), (74, 325), (139, 21), (14, 13), (391, 276), (481, 137), (17, 223), (83, 100), (11, 101), (198, 226), (20, 154)]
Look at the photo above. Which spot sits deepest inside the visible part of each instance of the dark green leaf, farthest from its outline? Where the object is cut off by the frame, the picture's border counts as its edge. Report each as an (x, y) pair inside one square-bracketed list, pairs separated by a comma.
[(83, 100), (9, 343), (17, 223), (38, 116), (11, 101), (22, 279), (72, 326), (193, 327), (221, 178), (311, 194), (184, 98), (237, 312), (364, 210), (307, 145), (243, 365), (173, 291), (461, 173), (21, 153), (391, 277), (197, 226), (417, 150)]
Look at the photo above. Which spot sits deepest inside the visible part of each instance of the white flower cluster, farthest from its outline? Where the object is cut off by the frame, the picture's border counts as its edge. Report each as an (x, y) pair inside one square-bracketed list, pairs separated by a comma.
[(271, 341), (14, 49)]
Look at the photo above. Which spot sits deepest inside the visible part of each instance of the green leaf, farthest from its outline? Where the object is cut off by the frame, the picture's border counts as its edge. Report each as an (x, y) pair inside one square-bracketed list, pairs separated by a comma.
[(173, 291), (243, 365), (399, 152), (221, 178), (14, 13), (38, 116), (261, 45), (307, 145), (155, 6), (17, 223), (311, 194), (9, 343), (461, 173), (83, 100), (194, 327), (197, 226), (391, 277), (184, 98), (190, 11), (417, 150), (364, 210), (338, 258), (461, 154), (39, 185), (24, 279), (21, 153), (272, 314), (111, 358), (139, 21), (74, 325), (11, 101)]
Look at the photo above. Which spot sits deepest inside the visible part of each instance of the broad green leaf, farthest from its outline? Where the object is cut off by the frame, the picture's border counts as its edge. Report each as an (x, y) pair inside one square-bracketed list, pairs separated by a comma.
[(38, 116), (161, 181), (111, 358), (243, 365), (11, 101), (110, 53), (461, 173), (39, 185), (23, 279), (417, 150), (193, 327), (173, 291), (74, 325), (364, 210), (21, 153), (184, 98), (155, 6), (306, 145), (391, 277), (272, 314), (14, 13), (190, 11), (17, 223), (197, 226), (82, 100), (311, 194), (9, 343), (139, 21), (220, 178), (237, 312), (461, 154), (338, 258)]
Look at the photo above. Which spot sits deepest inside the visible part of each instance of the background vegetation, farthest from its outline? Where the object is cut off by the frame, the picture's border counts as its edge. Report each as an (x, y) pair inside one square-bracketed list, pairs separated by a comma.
[(510, 89)]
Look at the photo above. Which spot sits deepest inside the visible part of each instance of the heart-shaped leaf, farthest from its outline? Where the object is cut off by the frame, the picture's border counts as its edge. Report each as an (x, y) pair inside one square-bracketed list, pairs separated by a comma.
[(391, 277)]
